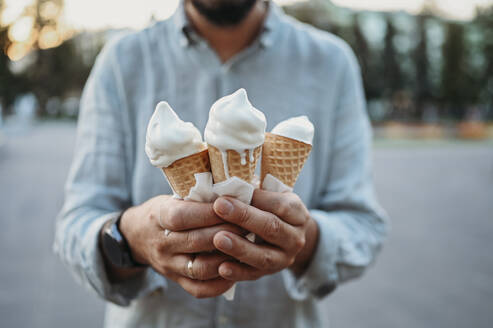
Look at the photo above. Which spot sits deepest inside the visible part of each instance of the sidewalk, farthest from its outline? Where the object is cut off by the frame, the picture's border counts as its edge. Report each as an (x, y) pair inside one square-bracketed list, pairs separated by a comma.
[(436, 269)]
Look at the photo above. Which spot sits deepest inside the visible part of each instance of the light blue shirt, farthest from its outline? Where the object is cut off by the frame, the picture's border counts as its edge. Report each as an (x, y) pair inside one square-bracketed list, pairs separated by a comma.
[(291, 69)]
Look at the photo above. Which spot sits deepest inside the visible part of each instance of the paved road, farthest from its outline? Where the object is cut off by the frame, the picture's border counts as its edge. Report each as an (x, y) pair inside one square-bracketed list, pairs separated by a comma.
[(436, 269)]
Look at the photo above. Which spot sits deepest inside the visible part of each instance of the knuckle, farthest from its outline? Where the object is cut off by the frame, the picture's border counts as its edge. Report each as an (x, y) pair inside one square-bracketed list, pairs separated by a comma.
[(154, 217), (267, 262), (272, 228), (288, 205), (300, 243), (283, 208), (294, 203), (174, 218), (244, 215), (191, 240), (161, 249)]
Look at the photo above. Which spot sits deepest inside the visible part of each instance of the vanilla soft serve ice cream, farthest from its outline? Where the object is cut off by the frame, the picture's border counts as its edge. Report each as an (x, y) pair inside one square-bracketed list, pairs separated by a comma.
[(299, 128), (235, 129), (169, 138), (235, 124)]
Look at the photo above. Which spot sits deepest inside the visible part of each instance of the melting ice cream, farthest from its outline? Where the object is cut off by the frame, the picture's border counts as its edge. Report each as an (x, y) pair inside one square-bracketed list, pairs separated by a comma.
[(234, 124)]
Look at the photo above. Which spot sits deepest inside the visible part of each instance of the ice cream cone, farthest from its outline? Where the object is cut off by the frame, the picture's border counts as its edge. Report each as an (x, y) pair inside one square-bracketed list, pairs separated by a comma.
[(234, 165), (181, 173), (283, 158)]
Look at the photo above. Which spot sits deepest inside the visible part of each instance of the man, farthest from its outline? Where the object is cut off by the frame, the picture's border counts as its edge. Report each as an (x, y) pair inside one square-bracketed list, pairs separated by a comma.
[(162, 262)]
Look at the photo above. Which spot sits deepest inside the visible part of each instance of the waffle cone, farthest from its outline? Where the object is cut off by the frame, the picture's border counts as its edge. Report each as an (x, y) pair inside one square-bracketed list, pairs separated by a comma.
[(283, 158), (180, 173), (235, 168)]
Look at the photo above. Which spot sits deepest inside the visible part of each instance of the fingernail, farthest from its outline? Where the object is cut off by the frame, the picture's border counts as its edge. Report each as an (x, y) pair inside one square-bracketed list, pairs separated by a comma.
[(225, 243), (223, 206), (227, 272)]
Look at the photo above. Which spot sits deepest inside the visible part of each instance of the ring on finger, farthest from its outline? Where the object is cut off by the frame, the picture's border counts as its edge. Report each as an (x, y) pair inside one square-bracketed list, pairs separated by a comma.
[(190, 269), (167, 232)]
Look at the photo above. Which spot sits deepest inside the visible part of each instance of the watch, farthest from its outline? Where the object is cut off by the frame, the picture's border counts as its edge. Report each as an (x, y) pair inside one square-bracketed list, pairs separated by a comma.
[(115, 246)]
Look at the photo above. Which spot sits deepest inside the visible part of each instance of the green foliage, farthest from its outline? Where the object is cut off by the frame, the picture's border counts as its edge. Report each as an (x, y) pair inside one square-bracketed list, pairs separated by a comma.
[(423, 87), (408, 80), (484, 22), (392, 74), (441, 64), (459, 88)]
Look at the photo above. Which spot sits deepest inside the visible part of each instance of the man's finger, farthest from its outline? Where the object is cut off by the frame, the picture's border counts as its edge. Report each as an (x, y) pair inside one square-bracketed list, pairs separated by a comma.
[(263, 257), (287, 206), (178, 215), (235, 271), (203, 289), (196, 240), (268, 226), (204, 266)]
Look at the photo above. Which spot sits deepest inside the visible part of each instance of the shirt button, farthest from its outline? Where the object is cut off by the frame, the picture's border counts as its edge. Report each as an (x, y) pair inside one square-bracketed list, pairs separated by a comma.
[(223, 320)]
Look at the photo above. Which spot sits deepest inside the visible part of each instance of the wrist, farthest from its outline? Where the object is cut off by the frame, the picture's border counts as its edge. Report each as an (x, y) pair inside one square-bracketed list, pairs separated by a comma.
[(304, 257), (128, 229)]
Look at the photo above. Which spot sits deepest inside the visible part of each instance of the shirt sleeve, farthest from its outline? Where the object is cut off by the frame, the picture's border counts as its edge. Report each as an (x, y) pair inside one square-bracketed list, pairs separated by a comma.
[(98, 186), (352, 226)]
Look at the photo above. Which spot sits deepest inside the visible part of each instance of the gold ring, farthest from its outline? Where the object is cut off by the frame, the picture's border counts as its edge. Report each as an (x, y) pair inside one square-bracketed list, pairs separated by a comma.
[(190, 269)]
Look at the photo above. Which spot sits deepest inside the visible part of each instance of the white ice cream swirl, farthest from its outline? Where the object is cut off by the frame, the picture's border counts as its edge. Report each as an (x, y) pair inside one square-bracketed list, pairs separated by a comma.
[(235, 124), (169, 139), (299, 128)]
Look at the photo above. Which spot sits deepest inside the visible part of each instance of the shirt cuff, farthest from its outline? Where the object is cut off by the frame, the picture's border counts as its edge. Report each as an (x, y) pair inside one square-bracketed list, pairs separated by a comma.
[(320, 278), (121, 293)]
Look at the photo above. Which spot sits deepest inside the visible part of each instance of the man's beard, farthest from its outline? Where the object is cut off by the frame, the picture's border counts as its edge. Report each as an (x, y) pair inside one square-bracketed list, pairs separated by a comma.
[(224, 12)]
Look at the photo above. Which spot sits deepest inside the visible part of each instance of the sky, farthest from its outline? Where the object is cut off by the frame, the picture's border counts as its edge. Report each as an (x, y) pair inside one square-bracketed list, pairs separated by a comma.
[(97, 14)]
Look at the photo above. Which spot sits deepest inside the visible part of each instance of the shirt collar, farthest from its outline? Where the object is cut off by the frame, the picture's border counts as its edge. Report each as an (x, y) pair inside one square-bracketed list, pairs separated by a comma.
[(187, 36)]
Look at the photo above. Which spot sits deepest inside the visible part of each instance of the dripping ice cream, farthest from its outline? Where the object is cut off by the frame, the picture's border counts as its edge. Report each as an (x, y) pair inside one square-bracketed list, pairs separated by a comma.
[(235, 129)]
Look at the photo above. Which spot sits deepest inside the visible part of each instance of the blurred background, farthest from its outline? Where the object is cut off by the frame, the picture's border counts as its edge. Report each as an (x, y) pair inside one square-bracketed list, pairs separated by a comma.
[(428, 72)]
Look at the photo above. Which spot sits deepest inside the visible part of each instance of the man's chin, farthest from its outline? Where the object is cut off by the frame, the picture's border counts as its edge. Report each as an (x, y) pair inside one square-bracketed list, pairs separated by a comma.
[(224, 12)]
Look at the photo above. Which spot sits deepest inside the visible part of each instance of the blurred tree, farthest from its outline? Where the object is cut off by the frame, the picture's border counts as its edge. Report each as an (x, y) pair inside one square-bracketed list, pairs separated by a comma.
[(484, 20), (393, 77), (458, 88), (422, 88), (392, 70), (373, 85), (10, 85), (49, 66)]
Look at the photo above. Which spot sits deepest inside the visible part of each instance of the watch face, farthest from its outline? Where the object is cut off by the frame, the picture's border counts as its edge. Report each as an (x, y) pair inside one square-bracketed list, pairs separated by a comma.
[(115, 247), (112, 249)]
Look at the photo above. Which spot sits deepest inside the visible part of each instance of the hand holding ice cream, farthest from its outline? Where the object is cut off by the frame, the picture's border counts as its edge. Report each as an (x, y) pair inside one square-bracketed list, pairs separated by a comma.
[(235, 135)]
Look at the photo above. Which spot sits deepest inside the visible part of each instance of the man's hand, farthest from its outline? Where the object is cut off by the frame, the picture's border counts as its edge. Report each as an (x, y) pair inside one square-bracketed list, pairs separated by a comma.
[(192, 227), (281, 220)]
